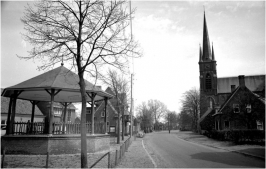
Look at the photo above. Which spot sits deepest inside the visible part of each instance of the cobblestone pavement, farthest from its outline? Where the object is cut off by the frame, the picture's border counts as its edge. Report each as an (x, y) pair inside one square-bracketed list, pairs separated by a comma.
[(251, 150), (136, 156)]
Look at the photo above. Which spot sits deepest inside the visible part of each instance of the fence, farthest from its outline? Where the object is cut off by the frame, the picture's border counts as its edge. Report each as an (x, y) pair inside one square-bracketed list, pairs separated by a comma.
[(25, 128), (115, 157), (109, 159), (58, 128)]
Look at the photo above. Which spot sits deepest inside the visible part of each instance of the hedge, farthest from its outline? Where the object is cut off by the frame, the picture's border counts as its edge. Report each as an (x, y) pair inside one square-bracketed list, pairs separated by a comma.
[(238, 136)]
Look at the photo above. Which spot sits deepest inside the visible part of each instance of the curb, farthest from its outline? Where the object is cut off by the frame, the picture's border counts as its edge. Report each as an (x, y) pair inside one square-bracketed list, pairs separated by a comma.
[(234, 151)]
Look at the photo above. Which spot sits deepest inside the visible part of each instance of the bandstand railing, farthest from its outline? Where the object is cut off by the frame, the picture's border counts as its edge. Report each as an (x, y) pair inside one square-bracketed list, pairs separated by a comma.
[(59, 128)]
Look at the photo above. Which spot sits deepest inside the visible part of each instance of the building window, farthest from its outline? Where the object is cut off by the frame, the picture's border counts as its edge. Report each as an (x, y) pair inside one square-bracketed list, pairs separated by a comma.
[(236, 108), (112, 129), (103, 113), (69, 115), (259, 125), (57, 111), (248, 108), (226, 124), (233, 87), (88, 110), (208, 81)]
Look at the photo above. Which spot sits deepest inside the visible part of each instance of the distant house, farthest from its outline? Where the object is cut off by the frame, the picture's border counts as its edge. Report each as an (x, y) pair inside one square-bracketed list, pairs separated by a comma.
[(58, 111), (23, 111), (112, 114), (77, 120)]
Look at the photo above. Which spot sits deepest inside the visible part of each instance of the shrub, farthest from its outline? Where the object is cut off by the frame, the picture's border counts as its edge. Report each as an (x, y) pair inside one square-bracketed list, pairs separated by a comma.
[(239, 136)]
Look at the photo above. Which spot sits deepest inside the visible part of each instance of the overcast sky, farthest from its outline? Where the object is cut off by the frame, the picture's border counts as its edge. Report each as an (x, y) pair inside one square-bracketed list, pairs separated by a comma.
[(169, 34)]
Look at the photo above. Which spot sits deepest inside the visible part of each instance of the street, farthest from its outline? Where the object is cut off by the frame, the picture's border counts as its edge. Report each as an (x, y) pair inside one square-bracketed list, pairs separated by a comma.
[(169, 151)]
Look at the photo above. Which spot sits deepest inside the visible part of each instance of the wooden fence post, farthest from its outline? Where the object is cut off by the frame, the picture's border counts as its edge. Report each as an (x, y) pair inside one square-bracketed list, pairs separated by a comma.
[(120, 152), (47, 159), (115, 157), (109, 155), (3, 157)]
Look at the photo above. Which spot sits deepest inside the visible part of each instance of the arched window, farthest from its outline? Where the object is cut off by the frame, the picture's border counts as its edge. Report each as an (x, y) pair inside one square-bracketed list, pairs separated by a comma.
[(210, 102), (208, 81)]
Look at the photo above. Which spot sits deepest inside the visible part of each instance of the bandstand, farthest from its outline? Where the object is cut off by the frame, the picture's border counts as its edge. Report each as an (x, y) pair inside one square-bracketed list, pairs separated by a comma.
[(57, 85)]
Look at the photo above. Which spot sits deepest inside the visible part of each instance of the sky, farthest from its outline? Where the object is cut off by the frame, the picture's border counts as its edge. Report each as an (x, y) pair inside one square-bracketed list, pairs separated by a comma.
[(169, 33)]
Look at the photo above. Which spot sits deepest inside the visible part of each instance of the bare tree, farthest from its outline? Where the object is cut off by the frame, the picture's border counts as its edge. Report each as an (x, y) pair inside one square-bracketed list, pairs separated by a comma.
[(120, 87), (158, 110), (85, 34), (190, 103), (145, 116), (172, 118)]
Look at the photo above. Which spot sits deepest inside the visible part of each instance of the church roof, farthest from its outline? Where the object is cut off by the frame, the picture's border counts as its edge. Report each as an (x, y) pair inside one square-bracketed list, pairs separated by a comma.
[(254, 83)]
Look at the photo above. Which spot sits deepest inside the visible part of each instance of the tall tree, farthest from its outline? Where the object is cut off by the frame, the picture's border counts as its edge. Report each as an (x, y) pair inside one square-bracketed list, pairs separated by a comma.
[(120, 87), (85, 34), (172, 119), (190, 104), (158, 110), (145, 116)]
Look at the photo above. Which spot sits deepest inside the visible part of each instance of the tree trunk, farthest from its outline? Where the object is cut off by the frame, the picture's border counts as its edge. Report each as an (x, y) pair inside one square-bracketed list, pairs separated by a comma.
[(123, 123), (118, 122), (84, 161)]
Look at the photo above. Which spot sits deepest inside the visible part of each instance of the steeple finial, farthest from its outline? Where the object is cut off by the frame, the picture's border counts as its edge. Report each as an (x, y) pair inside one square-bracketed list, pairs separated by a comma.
[(206, 43), (213, 58), (62, 64)]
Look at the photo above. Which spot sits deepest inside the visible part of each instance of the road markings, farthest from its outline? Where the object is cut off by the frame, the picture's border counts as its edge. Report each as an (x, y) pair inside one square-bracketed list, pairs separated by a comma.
[(155, 166)]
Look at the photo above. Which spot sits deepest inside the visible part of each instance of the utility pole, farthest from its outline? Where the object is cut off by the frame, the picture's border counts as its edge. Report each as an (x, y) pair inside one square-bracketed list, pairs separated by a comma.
[(131, 109)]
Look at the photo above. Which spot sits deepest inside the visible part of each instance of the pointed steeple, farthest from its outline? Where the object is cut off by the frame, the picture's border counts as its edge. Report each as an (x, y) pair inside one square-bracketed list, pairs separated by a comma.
[(206, 42), (200, 53), (213, 58)]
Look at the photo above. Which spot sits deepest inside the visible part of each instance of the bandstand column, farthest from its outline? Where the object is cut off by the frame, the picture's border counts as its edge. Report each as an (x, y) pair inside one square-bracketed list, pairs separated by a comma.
[(13, 111), (8, 128), (51, 114), (32, 115)]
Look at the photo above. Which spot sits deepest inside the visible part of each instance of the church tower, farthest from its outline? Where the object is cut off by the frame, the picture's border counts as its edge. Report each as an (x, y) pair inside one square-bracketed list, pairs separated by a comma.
[(207, 65)]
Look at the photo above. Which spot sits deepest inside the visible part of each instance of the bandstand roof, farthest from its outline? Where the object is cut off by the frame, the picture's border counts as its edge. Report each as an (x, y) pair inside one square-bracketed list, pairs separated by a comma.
[(59, 78)]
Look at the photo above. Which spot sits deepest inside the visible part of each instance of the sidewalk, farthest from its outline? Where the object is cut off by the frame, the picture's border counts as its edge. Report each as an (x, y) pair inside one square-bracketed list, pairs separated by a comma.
[(136, 156), (250, 150)]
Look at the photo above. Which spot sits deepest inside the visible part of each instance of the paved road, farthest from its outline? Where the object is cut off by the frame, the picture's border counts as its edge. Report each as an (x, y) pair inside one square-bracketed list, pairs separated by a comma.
[(168, 151)]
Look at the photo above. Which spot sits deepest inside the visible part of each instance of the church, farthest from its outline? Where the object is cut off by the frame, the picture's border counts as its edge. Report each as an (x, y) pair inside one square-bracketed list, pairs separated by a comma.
[(228, 102)]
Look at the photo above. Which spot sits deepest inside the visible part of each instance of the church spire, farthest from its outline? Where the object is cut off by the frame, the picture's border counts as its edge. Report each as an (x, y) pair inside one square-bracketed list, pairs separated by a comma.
[(200, 53), (206, 43), (213, 58)]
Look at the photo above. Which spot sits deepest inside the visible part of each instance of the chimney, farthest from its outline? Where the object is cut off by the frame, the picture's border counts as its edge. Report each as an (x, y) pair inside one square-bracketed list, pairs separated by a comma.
[(233, 87), (241, 80)]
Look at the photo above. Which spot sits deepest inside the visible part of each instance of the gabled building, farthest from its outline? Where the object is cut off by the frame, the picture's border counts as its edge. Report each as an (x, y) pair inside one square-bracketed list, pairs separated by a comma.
[(23, 111), (217, 93), (243, 109), (112, 114), (59, 111)]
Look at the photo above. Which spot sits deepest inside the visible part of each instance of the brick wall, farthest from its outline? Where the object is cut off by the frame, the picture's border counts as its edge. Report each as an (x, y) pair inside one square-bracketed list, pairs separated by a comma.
[(63, 144)]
